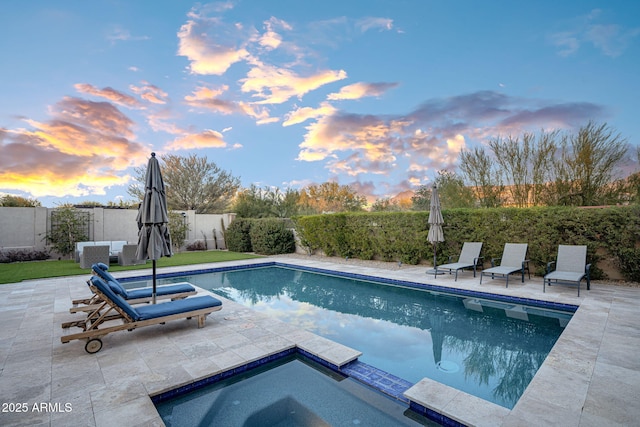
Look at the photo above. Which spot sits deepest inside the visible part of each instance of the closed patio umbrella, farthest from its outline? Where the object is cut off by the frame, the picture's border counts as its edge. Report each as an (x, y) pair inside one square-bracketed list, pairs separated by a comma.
[(435, 222), (154, 240)]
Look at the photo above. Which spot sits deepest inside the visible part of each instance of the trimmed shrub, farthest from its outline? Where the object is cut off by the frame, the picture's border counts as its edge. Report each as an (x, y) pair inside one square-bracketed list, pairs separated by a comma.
[(198, 245), (270, 236), (20, 255), (237, 235)]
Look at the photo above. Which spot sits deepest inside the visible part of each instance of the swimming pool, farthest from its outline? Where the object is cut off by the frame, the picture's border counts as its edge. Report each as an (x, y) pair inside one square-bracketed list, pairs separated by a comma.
[(486, 347)]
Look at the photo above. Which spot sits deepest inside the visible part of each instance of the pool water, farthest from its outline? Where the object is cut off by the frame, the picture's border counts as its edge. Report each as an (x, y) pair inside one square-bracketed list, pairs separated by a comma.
[(291, 392), (487, 348)]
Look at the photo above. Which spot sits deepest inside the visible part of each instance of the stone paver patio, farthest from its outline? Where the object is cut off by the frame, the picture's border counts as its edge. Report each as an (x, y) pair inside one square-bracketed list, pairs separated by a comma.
[(590, 378)]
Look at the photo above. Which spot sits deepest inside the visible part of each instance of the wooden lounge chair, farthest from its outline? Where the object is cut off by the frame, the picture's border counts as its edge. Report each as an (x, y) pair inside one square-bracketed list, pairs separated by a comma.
[(469, 258), (115, 314), (571, 268), (132, 296), (513, 260)]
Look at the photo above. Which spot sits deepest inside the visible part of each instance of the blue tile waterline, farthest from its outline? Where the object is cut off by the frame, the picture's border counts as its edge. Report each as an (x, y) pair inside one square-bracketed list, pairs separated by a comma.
[(550, 305)]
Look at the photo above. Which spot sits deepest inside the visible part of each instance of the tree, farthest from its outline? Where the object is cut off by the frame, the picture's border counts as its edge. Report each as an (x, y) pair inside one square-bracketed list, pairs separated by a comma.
[(191, 183), (284, 205), (386, 205), (479, 170), (452, 191), (421, 199), (331, 197), (18, 202), (254, 202), (525, 164), (587, 164), (178, 229), (68, 226)]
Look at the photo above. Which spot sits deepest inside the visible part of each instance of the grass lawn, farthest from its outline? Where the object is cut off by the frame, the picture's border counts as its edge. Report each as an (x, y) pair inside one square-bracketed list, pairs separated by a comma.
[(19, 271)]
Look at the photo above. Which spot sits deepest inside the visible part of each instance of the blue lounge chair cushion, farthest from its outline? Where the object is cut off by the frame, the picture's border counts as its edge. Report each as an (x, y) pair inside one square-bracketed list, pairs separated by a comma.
[(160, 290), (118, 289), (117, 299), (101, 269), (153, 311)]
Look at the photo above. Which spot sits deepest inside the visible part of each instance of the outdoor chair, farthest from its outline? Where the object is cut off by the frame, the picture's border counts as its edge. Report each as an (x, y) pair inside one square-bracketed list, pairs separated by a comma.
[(513, 260), (115, 314), (174, 291), (127, 256), (469, 258), (94, 254), (571, 267)]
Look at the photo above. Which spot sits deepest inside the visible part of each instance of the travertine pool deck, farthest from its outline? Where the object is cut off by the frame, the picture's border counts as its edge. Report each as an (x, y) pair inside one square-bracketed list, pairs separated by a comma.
[(590, 378)]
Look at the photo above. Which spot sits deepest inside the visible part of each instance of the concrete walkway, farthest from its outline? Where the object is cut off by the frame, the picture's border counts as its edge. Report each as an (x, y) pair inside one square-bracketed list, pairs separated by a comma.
[(590, 378)]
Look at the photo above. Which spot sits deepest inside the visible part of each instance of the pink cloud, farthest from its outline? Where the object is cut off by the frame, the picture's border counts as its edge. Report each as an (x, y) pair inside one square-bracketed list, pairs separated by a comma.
[(361, 90), (109, 94)]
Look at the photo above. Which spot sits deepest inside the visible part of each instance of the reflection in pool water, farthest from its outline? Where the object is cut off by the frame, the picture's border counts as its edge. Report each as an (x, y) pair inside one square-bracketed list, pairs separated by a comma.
[(491, 349)]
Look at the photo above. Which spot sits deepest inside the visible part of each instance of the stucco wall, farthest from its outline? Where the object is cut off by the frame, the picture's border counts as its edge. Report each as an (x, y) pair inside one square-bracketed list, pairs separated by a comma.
[(25, 228)]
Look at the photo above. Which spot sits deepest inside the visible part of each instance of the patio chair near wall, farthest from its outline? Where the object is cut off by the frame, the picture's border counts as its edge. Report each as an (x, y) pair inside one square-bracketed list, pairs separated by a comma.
[(469, 258), (513, 260), (570, 268), (94, 254), (127, 256)]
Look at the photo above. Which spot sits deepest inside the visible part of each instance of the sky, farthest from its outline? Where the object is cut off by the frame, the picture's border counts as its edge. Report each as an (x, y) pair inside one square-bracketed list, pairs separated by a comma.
[(376, 94)]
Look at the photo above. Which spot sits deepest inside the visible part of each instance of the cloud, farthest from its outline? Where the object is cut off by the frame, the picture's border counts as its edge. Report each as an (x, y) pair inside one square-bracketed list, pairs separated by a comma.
[(369, 23), (271, 39), (206, 139), (209, 98), (118, 33), (610, 39), (150, 93), (109, 94), (83, 149), (275, 85), (300, 115), (361, 90), (210, 55), (430, 137)]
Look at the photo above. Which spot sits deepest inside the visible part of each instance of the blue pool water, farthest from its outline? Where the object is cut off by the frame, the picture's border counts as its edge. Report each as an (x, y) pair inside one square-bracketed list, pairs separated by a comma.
[(485, 347)]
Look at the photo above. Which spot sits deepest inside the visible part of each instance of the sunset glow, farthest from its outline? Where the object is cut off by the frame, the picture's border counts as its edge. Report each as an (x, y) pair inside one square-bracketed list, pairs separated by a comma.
[(377, 95)]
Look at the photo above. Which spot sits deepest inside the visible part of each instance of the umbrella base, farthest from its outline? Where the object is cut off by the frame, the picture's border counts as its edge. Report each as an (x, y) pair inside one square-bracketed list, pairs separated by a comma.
[(433, 271)]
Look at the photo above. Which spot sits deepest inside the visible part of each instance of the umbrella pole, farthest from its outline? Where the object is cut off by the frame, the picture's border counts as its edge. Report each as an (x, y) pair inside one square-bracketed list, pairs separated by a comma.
[(434, 256), (154, 281)]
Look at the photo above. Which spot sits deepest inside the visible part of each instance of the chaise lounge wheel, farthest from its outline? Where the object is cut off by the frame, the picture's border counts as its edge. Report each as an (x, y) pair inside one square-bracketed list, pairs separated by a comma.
[(93, 346)]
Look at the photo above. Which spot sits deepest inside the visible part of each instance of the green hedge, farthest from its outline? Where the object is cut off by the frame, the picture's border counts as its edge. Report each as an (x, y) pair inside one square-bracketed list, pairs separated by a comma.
[(270, 236), (237, 235), (609, 233), (267, 236)]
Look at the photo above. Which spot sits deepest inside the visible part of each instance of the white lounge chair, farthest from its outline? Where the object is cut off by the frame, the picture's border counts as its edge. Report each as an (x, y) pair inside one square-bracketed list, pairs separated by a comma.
[(513, 260), (571, 268), (469, 258)]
